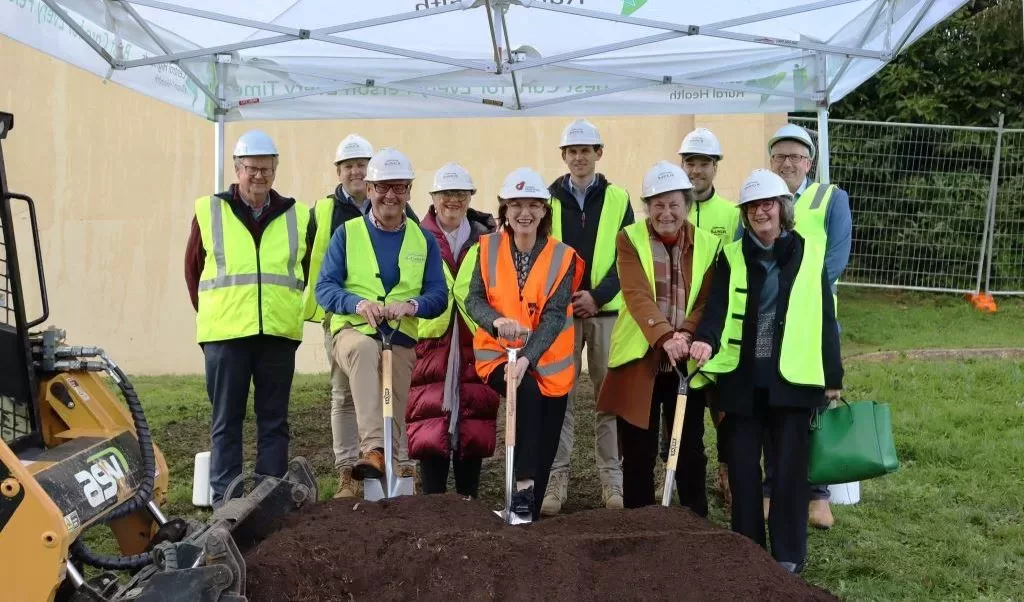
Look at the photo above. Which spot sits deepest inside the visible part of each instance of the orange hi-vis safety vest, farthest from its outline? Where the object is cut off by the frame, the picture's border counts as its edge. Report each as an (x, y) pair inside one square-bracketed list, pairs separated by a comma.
[(555, 370)]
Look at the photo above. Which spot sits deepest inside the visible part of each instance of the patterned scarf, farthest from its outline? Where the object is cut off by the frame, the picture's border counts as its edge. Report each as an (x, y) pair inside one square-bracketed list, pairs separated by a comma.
[(669, 288)]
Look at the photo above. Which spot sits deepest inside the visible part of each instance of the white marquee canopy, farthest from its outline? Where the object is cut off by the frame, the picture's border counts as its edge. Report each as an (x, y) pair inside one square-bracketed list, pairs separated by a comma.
[(320, 59)]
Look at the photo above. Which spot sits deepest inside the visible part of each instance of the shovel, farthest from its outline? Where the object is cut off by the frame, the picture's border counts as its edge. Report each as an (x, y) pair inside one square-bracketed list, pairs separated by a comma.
[(391, 485), (677, 432), (511, 387)]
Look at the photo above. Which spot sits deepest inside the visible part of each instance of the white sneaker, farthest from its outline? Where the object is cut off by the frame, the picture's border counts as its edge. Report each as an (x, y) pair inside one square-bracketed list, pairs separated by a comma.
[(554, 496)]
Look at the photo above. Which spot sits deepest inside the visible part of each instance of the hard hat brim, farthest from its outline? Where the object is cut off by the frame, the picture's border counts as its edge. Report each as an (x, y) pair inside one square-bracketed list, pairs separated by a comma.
[(708, 155), (774, 141)]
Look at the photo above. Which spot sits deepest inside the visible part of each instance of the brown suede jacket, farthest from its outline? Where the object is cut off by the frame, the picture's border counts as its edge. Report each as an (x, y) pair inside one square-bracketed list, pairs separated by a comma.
[(626, 390)]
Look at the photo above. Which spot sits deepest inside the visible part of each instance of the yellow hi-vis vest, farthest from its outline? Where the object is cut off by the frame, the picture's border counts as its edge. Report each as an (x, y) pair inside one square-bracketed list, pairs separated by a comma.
[(800, 361), (628, 342), (717, 215), (363, 276), (245, 290), (323, 211), (616, 200), (809, 211), (458, 288)]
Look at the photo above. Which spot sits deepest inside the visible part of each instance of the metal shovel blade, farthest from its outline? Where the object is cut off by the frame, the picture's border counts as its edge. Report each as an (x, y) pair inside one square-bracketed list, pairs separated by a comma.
[(373, 489), (511, 518)]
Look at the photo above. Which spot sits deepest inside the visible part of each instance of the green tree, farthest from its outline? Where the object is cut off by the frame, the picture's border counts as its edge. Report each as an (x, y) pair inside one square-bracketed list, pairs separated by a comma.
[(964, 72)]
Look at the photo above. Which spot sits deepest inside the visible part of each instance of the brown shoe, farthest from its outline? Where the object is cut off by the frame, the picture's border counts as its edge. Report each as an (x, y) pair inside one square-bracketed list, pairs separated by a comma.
[(370, 465), (819, 514), (348, 487), (722, 485)]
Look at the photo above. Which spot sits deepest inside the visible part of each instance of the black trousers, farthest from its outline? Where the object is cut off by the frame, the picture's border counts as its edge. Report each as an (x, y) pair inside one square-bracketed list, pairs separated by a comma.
[(269, 364), (788, 429), (467, 475), (538, 426), (639, 449)]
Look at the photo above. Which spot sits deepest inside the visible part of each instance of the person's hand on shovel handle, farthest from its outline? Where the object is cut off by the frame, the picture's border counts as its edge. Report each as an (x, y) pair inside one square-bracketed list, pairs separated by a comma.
[(508, 329), (519, 370)]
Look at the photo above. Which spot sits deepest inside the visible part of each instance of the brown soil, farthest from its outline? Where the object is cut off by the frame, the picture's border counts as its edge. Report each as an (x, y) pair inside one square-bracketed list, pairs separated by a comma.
[(443, 547)]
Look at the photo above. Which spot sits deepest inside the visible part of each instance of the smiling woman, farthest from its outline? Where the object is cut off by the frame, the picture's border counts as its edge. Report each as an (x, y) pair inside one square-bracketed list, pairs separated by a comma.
[(523, 288), (665, 267)]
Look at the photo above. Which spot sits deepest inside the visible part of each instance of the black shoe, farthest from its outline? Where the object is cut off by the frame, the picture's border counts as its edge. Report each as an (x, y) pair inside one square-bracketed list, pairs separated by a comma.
[(792, 567), (522, 501)]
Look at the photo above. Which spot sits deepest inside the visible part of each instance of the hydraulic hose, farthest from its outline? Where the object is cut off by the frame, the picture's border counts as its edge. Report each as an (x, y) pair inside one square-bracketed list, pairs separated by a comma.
[(142, 495)]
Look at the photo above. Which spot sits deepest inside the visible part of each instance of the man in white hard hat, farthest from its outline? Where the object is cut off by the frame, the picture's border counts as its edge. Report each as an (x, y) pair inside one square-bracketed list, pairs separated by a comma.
[(822, 214), (380, 270), (588, 212), (246, 263), (700, 153), (348, 201)]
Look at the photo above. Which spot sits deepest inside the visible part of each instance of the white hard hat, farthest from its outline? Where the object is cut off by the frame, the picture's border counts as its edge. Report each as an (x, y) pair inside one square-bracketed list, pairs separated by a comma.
[(664, 177), (255, 143), (580, 132), (701, 141), (452, 176), (523, 183), (791, 131), (353, 146), (389, 164), (763, 184)]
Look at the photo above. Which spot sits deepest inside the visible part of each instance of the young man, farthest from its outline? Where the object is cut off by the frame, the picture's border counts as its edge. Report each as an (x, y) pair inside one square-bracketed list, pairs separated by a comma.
[(588, 212)]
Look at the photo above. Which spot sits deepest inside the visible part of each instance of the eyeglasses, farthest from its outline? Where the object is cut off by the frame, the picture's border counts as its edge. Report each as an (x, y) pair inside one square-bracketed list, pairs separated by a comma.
[(763, 205), (794, 158), (251, 171), (454, 195), (396, 188)]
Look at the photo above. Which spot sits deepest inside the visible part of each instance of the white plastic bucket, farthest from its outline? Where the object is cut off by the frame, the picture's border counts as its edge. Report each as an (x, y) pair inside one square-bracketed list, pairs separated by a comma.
[(202, 493), (845, 494)]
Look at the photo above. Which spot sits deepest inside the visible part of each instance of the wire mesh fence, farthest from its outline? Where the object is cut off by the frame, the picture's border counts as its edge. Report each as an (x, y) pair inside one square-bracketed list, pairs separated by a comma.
[(1005, 269), (937, 208)]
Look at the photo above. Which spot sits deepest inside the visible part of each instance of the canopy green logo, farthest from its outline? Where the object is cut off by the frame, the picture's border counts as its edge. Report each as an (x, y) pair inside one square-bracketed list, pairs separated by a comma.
[(631, 6)]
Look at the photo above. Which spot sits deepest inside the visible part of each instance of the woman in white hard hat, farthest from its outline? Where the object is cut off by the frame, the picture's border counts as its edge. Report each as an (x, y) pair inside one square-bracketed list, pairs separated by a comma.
[(665, 266), (523, 288), (451, 415), (769, 331)]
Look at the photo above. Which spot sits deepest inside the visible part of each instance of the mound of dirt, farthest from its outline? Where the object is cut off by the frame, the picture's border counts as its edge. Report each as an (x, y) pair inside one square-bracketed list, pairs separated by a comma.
[(442, 547)]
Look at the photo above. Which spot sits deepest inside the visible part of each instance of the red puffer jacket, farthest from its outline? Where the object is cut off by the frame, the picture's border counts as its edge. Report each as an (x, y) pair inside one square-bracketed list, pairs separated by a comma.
[(426, 421)]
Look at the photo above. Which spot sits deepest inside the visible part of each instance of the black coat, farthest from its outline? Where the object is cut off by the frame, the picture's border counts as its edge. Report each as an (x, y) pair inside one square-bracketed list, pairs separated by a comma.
[(736, 389)]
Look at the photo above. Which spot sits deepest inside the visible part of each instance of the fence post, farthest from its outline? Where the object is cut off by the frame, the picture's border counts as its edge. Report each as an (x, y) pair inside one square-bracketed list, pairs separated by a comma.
[(990, 216)]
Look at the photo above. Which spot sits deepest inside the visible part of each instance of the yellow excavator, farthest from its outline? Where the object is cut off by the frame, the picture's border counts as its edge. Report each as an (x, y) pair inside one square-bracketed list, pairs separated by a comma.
[(75, 456)]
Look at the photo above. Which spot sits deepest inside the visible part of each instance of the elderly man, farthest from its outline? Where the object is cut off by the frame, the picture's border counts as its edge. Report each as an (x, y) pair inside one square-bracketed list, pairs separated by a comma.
[(245, 265), (587, 213), (823, 215), (380, 269), (348, 201)]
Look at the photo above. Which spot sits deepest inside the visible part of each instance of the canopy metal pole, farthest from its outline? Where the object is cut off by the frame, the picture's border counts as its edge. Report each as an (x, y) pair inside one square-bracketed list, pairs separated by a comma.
[(218, 132), (823, 149)]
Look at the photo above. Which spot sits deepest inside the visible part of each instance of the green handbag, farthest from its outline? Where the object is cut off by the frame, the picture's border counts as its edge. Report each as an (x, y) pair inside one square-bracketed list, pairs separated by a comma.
[(851, 442)]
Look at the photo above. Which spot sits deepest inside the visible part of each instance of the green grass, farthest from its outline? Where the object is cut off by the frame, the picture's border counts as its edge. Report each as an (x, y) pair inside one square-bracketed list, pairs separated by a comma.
[(878, 320), (949, 525)]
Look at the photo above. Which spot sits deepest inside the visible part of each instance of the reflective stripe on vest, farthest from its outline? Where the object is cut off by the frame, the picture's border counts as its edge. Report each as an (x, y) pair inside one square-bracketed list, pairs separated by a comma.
[(628, 342), (363, 274), (555, 370), (324, 213), (458, 287), (245, 290), (717, 215), (800, 360), (613, 211)]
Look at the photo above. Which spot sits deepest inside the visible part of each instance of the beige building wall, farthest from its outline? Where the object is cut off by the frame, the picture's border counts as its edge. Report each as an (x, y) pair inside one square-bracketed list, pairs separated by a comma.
[(114, 175)]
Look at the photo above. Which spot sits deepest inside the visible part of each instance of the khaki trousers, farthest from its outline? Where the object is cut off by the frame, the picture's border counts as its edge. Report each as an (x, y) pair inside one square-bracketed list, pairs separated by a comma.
[(594, 333), (344, 430), (358, 356)]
